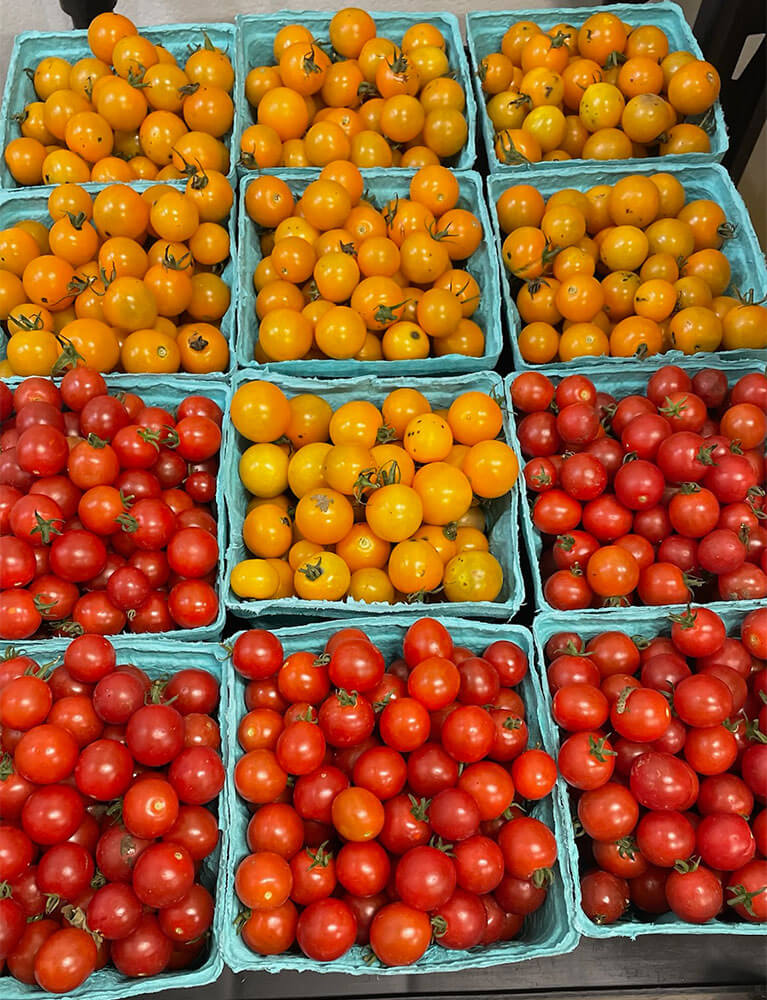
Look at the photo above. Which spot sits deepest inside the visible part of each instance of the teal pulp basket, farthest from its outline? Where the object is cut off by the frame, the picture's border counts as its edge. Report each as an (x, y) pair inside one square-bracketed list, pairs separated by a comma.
[(382, 185), (154, 654), (620, 382), (549, 931), (32, 203), (502, 513), (255, 47), (169, 394), (485, 29), (710, 181), (31, 46), (648, 622)]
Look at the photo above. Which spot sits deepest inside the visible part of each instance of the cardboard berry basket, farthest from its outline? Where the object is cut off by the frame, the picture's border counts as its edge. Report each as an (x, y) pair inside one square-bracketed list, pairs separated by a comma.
[(169, 393), (158, 656), (31, 46), (32, 203), (255, 47), (548, 931), (746, 257), (485, 29), (620, 382), (501, 513), (648, 622), (381, 185)]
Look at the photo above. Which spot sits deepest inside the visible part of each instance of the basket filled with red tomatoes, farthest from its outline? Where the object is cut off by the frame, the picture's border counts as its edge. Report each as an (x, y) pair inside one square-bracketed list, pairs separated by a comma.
[(645, 487), (118, 103), (352, 495), (390, 274), (111, 506), (421, 828), (383, 90), (662, 746), (111, 809), (618, 263), (83, 281), (614, 82)]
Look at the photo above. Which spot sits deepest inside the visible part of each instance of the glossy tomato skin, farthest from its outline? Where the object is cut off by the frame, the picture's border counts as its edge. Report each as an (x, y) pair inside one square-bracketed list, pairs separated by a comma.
[(326, 930)]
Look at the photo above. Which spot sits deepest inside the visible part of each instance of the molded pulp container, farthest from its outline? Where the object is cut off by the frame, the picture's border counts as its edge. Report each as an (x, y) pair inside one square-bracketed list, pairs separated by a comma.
[(711, 181), (549, 931), (255, 47), (619, 382), (382, 185), (485, 29), (31, 46), (169, 394), (158, 656), (648, 622), (32, 203), (502, 513)]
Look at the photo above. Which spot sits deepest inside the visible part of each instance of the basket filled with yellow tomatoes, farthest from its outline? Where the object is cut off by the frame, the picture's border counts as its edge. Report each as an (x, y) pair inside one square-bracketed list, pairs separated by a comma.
[(393, 274), (384, 90), (629, 263), (132, 278), (354, 495), (613, 82), (118, 103)]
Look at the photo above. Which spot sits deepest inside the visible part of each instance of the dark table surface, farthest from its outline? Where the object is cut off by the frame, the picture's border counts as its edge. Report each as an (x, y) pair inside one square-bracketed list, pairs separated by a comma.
[(661, 967)]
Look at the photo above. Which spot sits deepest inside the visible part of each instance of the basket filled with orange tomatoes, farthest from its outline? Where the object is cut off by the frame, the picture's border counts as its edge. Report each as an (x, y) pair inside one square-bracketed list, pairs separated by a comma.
[(118, 103), (357, 494), (384, 90), (135, 278), (391, 274), (620, 263), (613, 82)]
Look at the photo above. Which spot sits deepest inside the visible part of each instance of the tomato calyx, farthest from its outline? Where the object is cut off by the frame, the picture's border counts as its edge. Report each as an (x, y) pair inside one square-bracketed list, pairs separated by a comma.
[(6, 766), (419, 808), (188, 89), (439, 926), (558, 40), (241, 919), (188, 169), (75, 916), (621, 702), (673, 409), (46, 528), (68, 358), (42, 605), (441, 845), (387, 314), (24, 322), (347, 699), (321, 858), (684, 867), (742, 897), (127, 522), (685, 620), (322, 660), (599, 750), (379, 706), (542, 878), (69, 627), (512, 723), (627, 848), (439, 234)]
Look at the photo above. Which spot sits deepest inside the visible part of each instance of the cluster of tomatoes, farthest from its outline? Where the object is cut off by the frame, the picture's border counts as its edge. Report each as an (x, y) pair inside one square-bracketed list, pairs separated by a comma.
[(128, 112), (361, 98), (643, 498), (623, 269), (383, 800), (106, 509), (107, 780), (124, 279), (341, 278), (601, 91), (664, 748), (376, 505)]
